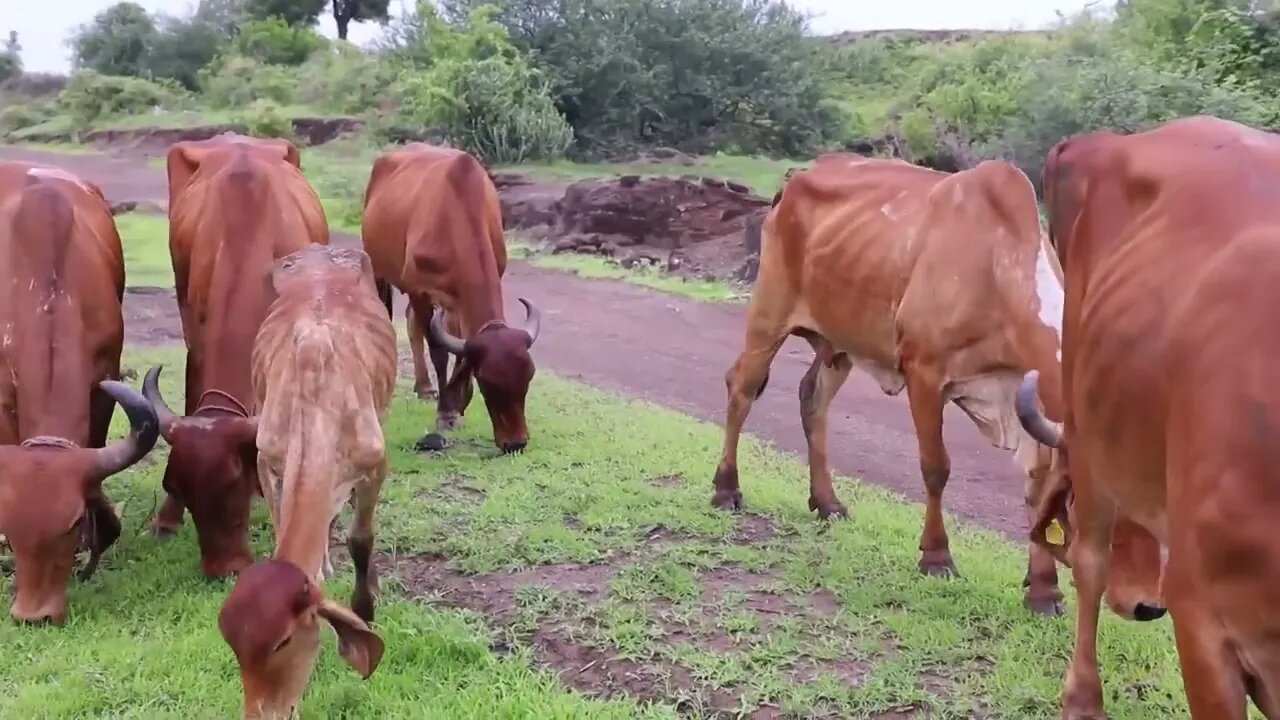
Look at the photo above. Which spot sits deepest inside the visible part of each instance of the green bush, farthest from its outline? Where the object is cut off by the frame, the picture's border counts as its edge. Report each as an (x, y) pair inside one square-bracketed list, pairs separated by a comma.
[(18, 117), (478, 93), (264, 118), (342, 79), (90, 96), (275, 42), (235, 81)]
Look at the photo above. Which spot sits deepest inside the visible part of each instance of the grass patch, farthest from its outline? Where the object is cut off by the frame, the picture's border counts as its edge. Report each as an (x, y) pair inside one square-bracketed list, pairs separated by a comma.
[(672, 599), (167, 120), (597, 268), (762, 175), (146, 249)]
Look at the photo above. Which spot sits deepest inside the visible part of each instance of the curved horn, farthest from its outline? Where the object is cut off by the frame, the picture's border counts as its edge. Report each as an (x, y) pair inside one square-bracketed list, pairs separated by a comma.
[(532, 320), (439, 336), (144, 428), (151, 391), (1039, 427)]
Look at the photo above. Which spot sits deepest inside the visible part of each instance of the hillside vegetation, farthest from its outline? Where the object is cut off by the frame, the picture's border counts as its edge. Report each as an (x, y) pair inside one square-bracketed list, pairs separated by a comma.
[(519, 81)]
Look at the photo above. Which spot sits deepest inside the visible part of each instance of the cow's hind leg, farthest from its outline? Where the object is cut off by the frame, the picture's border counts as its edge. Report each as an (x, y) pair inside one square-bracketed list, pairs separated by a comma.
[(1090, 556), (1042, 595), (820, 384), (421, 378), (100, 528), (1216, 684), (386, 293), (745, 380), (360, 544), (925, 396)]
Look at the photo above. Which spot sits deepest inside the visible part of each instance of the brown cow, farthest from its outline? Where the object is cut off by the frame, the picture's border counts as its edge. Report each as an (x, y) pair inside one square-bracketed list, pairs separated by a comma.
[(433, 228), (1171, 423), (236, 204), (61, 333), (324, 371), (942, 284)]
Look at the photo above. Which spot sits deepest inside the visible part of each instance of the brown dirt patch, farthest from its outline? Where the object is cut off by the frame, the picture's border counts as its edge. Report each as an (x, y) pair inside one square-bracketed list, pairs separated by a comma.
[(694, 226)]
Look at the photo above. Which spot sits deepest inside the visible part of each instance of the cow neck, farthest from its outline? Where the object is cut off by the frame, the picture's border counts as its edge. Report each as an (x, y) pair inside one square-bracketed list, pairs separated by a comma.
[(209, 403), (49, 441), (478, 317)]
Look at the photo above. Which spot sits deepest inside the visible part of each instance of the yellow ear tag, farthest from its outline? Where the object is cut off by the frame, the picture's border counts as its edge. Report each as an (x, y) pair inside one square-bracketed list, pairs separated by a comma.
[(1053, 533)]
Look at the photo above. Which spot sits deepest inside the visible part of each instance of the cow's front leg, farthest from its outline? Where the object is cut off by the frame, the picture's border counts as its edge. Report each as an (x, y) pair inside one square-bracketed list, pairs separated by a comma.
[(924, 392)]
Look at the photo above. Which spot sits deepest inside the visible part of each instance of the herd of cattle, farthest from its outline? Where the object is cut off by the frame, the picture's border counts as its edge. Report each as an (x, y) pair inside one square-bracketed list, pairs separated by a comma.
[(1126, 356)]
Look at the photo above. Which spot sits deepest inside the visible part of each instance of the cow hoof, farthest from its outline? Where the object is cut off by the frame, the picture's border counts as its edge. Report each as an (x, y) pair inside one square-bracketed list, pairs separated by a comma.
[(427, 393), (829, 510), (431, 442), (1046, 607), (727, 500), (938, 566)]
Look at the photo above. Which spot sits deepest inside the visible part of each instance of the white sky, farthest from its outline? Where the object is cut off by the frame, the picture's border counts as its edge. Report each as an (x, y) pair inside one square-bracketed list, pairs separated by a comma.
[(44, 25)]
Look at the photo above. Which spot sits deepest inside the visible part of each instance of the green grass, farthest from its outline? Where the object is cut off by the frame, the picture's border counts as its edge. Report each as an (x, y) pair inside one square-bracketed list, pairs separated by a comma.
[(598, 268), (762, 175), (63, 124), (610, 482), (146, 249)]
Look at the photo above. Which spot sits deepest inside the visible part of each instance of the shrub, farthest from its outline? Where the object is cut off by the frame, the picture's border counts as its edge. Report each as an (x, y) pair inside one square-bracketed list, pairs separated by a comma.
[(90, 96), (17, 117), (237, 81), (477, 91), (264, 118), (275, 42), (341, 78)]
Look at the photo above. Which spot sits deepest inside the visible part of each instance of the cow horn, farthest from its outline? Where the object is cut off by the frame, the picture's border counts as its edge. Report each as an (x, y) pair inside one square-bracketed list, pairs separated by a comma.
[(144, 428), (532, 320), (439, 336), (1033, 421), (151, 391)]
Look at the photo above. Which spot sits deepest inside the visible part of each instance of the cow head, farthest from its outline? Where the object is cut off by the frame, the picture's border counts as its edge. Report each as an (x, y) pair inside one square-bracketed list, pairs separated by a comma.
[(499, 357), (1136, 562), (45, 488), (212, 471), (272, 621)]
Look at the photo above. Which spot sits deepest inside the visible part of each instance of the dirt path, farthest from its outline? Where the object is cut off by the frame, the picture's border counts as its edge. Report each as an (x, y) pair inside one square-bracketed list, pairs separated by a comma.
[(670, 351)]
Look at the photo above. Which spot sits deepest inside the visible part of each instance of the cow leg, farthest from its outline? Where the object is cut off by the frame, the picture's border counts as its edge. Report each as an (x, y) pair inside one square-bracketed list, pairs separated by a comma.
[(421, 378), (744, 381), (360, 544), (819, 385), (1042, 596), (1214, 680), (100, 528), (1090, 556), (925, 397), (386, 294)]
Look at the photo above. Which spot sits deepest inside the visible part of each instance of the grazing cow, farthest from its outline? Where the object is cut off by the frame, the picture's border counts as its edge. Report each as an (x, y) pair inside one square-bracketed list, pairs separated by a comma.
[(1170, 241), (324, 371), (236, 204), (433, 229), (61, 332), (942, 284)]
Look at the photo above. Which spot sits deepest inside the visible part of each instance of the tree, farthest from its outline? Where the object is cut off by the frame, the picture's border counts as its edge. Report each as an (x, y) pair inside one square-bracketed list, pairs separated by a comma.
[(117, 42), (11, 58), (303, 13), (182, 46), (346, 12)]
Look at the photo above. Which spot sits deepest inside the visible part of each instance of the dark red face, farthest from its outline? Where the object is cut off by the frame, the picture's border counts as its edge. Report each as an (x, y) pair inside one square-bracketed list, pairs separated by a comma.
[(212, 471), (503, 369)]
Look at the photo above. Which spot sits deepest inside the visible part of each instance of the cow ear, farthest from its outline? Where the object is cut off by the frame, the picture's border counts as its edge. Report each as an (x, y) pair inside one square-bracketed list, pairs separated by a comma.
[(359, 646), (181, 163)]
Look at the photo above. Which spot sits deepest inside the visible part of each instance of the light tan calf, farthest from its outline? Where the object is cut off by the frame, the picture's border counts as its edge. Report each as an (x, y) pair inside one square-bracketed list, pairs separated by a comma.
[(324, 370)]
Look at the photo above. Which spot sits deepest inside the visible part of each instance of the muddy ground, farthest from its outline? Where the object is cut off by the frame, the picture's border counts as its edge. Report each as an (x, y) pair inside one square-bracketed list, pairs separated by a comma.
[(673, 352)]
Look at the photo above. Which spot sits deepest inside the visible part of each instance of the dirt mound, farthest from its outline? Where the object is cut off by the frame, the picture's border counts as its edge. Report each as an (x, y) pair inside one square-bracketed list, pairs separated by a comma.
[(657, 220)]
